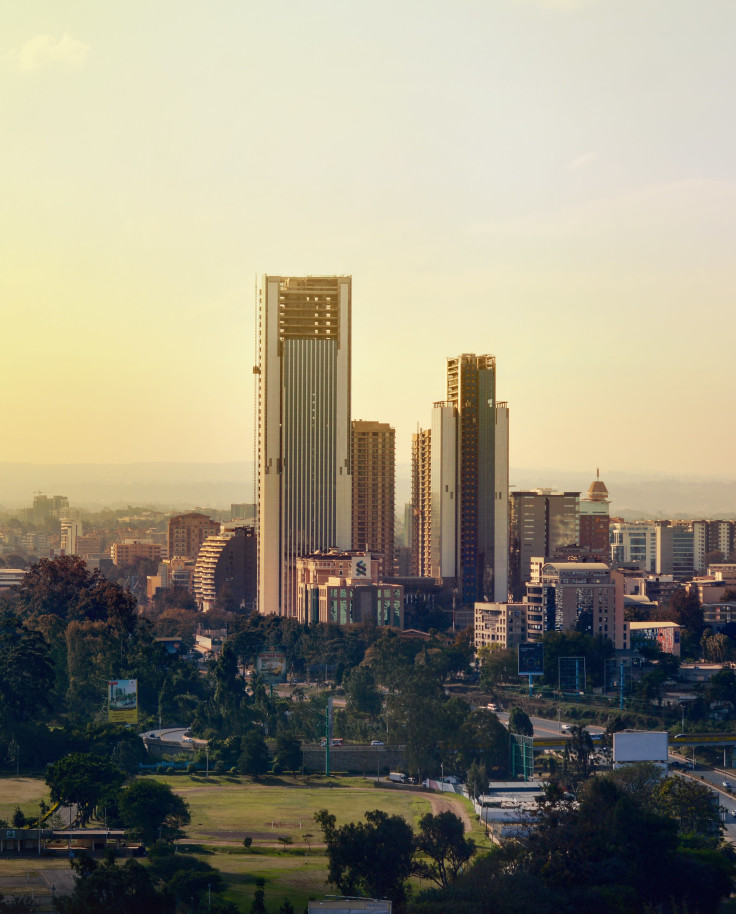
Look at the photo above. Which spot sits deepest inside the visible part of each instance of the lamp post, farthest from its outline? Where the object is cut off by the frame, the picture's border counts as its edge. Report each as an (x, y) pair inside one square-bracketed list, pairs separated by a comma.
[(682, 708)]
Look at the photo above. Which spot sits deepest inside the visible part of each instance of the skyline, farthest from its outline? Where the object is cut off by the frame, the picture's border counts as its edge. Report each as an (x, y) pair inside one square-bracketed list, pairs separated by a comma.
[(557, 177)]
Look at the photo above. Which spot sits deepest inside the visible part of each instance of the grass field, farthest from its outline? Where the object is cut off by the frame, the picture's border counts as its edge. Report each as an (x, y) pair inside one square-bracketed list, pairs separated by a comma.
[(24, 792), (226, 809)]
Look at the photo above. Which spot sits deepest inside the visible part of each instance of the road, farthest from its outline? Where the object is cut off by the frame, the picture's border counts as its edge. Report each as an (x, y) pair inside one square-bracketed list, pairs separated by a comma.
[(711, 777)]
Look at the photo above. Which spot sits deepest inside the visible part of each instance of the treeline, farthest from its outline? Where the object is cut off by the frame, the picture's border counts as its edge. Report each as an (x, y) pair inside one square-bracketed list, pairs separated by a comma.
[(66, 631)]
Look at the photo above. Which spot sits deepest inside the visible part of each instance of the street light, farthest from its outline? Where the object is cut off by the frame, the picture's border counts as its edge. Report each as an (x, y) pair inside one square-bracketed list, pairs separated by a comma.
[(682, 708)]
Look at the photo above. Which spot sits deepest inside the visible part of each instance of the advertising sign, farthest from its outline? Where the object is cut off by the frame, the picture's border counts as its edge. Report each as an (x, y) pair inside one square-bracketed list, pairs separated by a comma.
[(271, 666), (531, 658), (360, 567), (122, 701)]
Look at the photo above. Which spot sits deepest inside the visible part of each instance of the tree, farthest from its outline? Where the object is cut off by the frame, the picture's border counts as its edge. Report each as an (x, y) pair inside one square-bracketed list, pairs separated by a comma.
[(288, 756), (151, 810), (442, 841), (110, 889), (581, 747), (722, 686), (476, 780), (373, 858), (520, 722), (258, 905), (26, 670), (497, 665), (254, 759), (81, 779), (693, 806), (361, 693), (18, 904)]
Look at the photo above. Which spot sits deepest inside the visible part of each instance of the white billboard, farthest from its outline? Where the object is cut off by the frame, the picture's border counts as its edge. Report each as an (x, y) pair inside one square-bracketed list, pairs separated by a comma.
[(640, 746)]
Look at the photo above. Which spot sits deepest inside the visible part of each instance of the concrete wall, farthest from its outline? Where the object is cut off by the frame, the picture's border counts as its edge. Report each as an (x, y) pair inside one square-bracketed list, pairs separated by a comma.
[(356, 759)]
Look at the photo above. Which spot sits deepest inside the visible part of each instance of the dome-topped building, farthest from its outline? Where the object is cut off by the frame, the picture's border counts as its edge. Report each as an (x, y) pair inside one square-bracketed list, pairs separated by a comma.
[(597, 490), (594, 520)]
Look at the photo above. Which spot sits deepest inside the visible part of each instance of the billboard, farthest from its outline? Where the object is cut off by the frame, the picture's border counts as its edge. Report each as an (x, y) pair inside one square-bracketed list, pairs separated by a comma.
[(640, 746), (122, 701), (271, 666), (360, 567), (531, 658)]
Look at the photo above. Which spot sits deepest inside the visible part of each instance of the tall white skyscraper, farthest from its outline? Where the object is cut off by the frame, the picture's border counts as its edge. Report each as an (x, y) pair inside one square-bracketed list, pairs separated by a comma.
[(304, 463)]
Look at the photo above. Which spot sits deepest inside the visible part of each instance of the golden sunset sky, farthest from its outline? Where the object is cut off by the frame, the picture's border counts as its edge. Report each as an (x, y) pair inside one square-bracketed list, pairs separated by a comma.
[(552, 182)]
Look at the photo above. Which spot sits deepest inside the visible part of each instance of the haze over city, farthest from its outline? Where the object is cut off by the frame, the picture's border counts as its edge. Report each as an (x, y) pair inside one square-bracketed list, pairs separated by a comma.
[(552, 182)]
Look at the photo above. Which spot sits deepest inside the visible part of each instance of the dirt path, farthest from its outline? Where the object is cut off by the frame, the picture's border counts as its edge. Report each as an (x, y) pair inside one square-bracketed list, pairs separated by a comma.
[(442, 804)]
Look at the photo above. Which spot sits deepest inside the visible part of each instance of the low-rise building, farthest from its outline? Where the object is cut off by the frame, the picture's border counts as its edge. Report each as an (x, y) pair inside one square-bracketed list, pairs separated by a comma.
[(130, 550), (500, 624), (665, 634)]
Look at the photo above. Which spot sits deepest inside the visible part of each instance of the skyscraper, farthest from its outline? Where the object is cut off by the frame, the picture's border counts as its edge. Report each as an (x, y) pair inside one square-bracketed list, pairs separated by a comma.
[(466, 514), (304, 464), (482, 478), (374, 471)]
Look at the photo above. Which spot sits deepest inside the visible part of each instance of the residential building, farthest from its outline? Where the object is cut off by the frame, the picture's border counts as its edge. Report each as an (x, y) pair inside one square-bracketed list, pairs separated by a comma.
[(541, 521), (11, 577), (634, 544), (584, 596), (130, 550), (718, 615), (374, 472), (421, 500), (187, 532), (227, 569), (674, 549), (304, 465), (500, 624), (71, 530)]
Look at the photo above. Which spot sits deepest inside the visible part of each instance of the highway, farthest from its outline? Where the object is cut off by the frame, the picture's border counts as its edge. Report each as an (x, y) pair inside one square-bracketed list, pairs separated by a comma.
[(711, 777)]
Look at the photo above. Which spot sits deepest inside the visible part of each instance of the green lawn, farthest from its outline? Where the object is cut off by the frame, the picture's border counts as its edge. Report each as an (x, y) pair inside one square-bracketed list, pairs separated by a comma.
[(24, 792), (227, 809)]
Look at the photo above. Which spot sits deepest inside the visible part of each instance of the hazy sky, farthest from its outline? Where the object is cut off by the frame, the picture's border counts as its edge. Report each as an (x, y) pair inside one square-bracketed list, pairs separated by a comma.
[(551, 181)]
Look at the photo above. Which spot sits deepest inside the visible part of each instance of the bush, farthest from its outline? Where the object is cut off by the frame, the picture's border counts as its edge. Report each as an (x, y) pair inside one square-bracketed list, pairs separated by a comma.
[(219, 767), (192, 768), (233, 770)]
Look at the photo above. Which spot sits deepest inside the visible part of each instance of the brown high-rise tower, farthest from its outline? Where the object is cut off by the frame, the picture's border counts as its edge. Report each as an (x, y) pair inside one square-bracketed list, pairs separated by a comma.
[(374, 469)]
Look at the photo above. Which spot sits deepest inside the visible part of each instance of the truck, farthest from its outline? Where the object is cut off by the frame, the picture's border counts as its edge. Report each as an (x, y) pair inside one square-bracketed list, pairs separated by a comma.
[(397, 777)]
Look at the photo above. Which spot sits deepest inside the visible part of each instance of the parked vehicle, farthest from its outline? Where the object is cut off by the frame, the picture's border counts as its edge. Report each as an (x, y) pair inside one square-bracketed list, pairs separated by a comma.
[(397, 777), (376, 742)]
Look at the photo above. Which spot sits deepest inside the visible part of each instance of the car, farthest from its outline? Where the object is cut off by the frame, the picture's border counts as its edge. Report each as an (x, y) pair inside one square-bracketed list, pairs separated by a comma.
[(491, 706), (376, 742), (153, 736), (186, 739), (565, 728), (726, 785)]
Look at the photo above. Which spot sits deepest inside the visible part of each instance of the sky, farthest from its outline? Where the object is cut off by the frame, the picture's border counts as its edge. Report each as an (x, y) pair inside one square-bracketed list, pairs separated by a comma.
[(549, 181)]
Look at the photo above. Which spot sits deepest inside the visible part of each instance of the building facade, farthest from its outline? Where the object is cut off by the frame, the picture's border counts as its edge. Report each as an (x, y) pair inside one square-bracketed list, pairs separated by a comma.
[(581, 596), (304, 464), (500, 624), (374, 473), (347, 588), (227, 569), (129, 550), (541, 521), (460, 485), (421, 503), (186, 533)]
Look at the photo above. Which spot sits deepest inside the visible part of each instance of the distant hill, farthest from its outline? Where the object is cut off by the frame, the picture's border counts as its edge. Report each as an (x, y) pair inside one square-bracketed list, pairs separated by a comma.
[(182, 486)]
